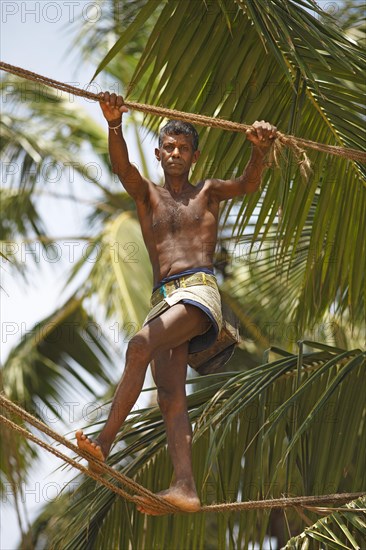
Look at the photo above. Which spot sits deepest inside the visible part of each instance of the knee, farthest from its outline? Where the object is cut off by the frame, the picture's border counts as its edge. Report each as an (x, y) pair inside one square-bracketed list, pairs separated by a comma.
[(171, 401), (138, 349)]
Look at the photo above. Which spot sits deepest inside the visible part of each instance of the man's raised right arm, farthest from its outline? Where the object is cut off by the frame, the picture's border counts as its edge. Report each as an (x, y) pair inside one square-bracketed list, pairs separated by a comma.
[(135, 184)]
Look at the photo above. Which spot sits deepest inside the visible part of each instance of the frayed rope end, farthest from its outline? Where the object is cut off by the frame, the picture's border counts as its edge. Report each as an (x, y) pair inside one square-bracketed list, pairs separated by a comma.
[(300, 155)]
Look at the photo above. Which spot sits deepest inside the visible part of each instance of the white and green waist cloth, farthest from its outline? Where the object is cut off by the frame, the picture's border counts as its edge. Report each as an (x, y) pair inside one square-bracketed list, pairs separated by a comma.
[(197, 287)]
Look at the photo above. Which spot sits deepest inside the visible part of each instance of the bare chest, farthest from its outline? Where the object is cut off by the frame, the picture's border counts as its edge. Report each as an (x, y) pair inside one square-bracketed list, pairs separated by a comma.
[(175, 215), (185, 214)]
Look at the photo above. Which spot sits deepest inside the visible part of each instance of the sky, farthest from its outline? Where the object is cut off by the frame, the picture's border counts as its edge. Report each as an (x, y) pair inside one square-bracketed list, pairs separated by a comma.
[(36, 35)]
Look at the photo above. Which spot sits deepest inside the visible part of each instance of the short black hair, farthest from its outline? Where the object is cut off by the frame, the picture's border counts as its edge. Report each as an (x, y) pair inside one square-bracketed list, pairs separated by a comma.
[(176, 127)]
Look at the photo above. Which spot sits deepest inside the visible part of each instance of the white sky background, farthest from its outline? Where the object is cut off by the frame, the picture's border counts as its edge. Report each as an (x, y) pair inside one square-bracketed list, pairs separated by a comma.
[(36, 35)]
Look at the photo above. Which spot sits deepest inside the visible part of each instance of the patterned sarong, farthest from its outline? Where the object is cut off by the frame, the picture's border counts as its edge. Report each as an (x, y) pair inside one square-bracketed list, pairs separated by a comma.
[(198, 288)]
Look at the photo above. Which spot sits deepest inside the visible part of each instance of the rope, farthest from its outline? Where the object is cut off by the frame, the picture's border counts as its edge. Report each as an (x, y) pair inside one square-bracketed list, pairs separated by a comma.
[(294, 143), (62, 456), (155, 502), (304, 502)]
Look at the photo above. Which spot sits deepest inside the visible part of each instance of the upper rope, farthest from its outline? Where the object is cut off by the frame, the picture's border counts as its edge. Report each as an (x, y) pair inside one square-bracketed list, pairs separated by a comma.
[(294, 143), (315, 503)]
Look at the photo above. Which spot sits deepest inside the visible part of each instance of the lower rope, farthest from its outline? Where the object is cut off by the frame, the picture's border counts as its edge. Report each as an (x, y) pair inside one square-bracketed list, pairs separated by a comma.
[(154, 501), (286, 502), (294, 143)]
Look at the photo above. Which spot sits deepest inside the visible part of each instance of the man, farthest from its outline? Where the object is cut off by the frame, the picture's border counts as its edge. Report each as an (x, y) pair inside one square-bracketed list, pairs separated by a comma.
[(179, 226)]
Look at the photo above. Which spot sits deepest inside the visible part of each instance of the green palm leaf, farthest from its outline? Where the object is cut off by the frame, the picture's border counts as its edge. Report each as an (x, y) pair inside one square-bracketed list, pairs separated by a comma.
[(67, 341), (238, 454), (116, 269), (21, 219), (30, 151), (342, 530), (63, 358)]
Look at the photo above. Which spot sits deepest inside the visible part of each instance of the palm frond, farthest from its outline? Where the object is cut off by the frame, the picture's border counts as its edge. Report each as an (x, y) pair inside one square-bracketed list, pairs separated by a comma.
[(116, 270), (67, 341), (63, 359), (344, 529), (20, 220), (247, 446), (291, 297), (31, 151), (94, 40)]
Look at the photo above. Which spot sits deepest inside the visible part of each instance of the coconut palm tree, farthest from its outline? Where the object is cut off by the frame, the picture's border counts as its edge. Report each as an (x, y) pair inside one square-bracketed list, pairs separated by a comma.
[(265, 431)]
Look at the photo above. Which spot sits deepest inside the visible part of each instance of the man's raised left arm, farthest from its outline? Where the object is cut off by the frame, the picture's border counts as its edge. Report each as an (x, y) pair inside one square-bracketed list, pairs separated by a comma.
[(261, 134)]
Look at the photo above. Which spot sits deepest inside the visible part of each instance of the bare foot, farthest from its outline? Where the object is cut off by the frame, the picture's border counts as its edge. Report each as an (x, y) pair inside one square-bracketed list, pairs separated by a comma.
[(92, 447), (184, 499)]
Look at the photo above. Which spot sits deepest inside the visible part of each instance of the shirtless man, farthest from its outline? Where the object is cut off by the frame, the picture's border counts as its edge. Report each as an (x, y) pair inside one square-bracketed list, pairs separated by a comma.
[(179, 226)]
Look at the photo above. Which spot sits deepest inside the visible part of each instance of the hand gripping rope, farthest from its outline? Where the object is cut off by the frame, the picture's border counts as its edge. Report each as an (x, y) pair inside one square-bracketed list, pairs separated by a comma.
[(294, 143)]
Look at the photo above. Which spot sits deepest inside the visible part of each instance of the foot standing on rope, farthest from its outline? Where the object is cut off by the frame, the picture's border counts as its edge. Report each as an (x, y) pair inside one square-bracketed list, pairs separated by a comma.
[(179, 225)]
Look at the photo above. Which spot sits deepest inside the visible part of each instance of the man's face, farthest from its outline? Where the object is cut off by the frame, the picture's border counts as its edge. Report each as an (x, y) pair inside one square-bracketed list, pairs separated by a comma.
[(176, 154)]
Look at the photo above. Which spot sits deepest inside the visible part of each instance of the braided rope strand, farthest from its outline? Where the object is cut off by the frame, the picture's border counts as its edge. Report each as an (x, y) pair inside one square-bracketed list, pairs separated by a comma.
[(154, 499), (292, 142), (62, 456), (285, 502)]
